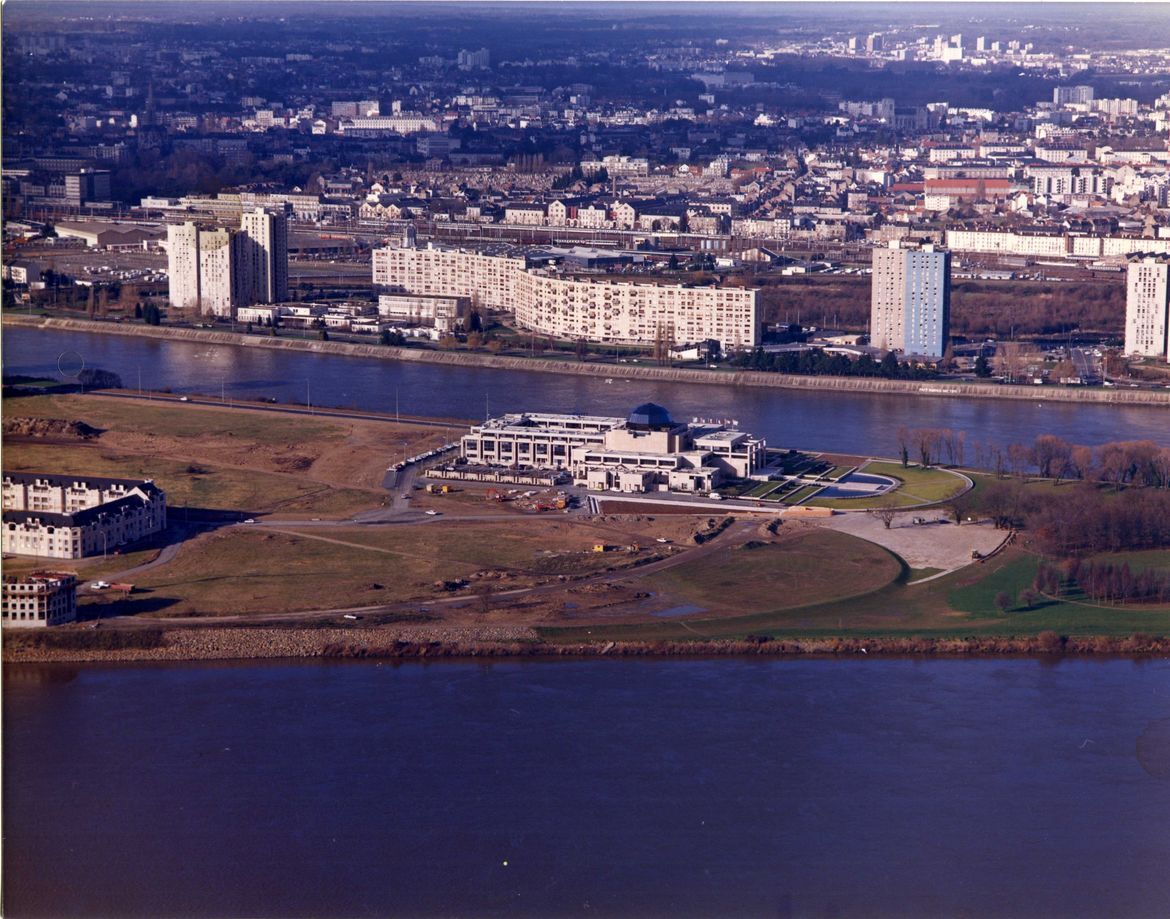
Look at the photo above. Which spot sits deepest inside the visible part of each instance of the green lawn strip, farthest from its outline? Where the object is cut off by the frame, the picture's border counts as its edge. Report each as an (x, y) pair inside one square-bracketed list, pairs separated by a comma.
[(838, 472), (801, 494), (761, 489)]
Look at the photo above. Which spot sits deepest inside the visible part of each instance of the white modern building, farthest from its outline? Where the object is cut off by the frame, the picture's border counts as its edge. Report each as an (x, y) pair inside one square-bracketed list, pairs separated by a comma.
[(647, 451), (266, 255), (224, 283), (443, 313), (566, 307), (62, 516), (183, 264), (910, 299), (1147, 306)]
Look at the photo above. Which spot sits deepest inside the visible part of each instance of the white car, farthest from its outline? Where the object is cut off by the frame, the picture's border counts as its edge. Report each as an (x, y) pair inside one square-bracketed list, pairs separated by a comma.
[(432, 513), (99, 585)]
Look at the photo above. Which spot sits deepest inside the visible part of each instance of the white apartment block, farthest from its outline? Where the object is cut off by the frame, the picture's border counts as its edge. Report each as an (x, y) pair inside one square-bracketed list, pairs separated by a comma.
[(910, 299), (405, 123), (629, 313), (39, 600), (266, 254), (1057, 245), (1147, 306), (223, 281), (526, 215), (60, 516), (183, 264), (487, 280), (570, 308), (220, 270)]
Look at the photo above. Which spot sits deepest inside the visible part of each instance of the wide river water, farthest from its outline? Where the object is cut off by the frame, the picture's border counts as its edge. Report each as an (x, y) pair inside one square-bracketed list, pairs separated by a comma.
[(667, 787), (864, 423)]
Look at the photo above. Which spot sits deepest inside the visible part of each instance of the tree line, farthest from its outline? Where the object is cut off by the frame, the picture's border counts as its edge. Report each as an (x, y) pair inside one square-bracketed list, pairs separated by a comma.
[(1103, 581), (817, 362)]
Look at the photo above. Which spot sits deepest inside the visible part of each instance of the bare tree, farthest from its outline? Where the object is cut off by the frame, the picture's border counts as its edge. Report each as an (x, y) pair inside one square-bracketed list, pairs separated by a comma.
[(886, 513)]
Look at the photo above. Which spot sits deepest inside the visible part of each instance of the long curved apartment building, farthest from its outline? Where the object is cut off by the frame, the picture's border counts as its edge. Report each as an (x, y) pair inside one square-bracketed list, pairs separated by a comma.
[(559, 306)]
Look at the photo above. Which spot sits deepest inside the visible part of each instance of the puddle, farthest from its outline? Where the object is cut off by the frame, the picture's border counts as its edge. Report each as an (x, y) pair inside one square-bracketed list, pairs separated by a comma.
[(684, 610)]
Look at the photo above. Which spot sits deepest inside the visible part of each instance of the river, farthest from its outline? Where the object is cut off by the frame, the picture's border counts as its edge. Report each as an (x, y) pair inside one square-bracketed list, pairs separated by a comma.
[(864, 423), (891, 787)]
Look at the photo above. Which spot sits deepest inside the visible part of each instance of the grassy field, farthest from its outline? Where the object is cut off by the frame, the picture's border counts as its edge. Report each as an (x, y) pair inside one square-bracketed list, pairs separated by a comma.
[(959, 605), (243, 569), (240, 570), (220, 458), (781, 575), (168, 419), (192, 484)]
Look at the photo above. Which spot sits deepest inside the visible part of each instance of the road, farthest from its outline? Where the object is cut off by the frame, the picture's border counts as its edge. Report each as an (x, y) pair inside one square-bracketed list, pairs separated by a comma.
[(345, 414)]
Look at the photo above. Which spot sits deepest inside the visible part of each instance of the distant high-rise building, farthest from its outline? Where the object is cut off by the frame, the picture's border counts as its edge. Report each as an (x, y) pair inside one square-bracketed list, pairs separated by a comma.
[(266, 255), (1147, 306), (473, 60), (874, 42), (219, 270), (183, 265), (910, 299), (1072, 95), (223, 275)]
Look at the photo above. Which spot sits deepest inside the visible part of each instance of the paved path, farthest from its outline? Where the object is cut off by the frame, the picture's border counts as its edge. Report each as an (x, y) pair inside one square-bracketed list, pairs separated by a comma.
[(939, 543)]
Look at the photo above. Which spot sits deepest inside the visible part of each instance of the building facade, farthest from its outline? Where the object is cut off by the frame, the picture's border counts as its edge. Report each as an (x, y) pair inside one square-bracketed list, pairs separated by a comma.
[(646, 451), (39, 600), (60, 516), (219, 270), (1147, 306), (565, 307), (266, 255), (443, 313), (910, 300), (183, 265)]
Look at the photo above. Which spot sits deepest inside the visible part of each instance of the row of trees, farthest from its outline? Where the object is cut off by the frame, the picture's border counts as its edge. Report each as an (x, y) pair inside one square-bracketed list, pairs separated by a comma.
[(816, 362), (1077, 521), (1117, 463), (1103, 581)]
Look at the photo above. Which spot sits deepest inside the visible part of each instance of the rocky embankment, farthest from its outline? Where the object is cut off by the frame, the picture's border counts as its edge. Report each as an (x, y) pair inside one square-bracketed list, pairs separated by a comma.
[(55, 428)]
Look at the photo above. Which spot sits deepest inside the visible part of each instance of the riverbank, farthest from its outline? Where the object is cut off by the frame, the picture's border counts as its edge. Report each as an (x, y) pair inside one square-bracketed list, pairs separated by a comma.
[(937, 389), (420, 643)]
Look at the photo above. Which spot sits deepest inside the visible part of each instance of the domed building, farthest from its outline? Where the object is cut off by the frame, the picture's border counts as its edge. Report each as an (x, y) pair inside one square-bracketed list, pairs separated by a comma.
[(646, 451)]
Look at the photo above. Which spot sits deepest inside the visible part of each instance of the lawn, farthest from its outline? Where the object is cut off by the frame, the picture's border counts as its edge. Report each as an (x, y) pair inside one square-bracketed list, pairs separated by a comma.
[(801, 494), (239, 570), (961, 604), (916, 486), (780, 575), (191, 484), (170, 419)]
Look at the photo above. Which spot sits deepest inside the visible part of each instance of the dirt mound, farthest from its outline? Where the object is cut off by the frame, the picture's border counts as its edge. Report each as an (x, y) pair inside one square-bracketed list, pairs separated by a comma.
[(49, 427)]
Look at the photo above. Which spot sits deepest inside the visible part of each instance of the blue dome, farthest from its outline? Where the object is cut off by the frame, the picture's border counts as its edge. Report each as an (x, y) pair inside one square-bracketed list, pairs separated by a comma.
[(649, 415)]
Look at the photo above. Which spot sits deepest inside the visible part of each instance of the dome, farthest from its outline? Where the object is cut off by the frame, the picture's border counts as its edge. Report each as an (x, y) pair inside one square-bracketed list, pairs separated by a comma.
[(649, 415)]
